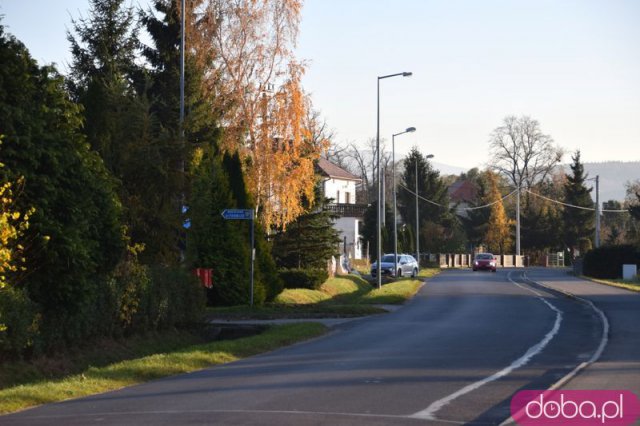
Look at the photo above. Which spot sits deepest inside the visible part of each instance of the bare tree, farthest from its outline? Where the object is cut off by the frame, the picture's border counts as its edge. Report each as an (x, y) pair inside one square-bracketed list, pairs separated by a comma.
[(522, 152)]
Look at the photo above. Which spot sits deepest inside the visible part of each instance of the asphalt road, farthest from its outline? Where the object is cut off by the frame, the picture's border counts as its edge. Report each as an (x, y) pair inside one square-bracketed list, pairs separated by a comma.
[(455, 354)]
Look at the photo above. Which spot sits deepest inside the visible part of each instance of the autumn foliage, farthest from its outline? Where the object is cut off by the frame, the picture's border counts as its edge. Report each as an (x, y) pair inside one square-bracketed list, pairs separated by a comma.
[(498, 236)]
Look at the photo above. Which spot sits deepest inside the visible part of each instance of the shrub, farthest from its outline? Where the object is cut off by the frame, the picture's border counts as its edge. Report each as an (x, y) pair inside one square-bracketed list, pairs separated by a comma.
[(607, 261), (303, 278), (18, 323), (173, 297)]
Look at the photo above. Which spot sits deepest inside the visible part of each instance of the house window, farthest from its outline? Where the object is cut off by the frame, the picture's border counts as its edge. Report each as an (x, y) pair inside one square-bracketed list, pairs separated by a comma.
[(347, 197), (338, 198)]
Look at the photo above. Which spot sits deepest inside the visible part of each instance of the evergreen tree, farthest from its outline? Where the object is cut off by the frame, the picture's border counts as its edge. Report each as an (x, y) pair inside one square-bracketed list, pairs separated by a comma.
[(75, 236), (475, 221), (308, 242), (214, 242), (120, 125), (439, 227), (369, 232), (577, 222)]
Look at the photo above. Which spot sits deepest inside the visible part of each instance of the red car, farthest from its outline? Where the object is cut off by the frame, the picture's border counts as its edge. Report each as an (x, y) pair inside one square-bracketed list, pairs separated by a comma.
[(484, 261)]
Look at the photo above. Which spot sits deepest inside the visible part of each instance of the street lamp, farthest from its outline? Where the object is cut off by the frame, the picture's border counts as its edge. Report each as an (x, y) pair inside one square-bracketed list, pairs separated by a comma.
[(378, 223), (417, 215), (395, 220)]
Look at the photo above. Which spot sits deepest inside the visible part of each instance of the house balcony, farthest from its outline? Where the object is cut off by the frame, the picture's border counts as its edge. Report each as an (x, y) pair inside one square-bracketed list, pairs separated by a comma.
[(347, 210)]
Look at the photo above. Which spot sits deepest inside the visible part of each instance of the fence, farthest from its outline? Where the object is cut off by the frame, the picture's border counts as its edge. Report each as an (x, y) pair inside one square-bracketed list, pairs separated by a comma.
[(454, 260)]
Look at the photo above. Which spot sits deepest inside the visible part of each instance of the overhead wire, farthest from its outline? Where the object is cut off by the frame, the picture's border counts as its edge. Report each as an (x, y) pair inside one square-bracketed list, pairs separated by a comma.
[(509, 195), (573, 205)]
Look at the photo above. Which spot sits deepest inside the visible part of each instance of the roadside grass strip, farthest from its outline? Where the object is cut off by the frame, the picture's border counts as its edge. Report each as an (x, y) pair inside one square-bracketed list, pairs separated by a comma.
[(627, 285), (394, 293), (126, 373)]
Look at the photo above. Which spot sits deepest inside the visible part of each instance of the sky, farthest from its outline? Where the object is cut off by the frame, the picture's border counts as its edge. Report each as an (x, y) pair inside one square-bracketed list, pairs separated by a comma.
[(573, 65)]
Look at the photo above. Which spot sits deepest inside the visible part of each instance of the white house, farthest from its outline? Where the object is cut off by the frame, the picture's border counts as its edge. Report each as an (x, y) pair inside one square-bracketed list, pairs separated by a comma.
[(340, 186)]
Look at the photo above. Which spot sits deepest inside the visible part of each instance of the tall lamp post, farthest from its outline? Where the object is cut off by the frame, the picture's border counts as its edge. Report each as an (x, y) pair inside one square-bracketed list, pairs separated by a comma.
[(395, 220), (379, 222), (417, 215)]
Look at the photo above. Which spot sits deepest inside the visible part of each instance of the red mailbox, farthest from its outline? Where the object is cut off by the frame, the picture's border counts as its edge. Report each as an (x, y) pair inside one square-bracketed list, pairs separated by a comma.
[(205, 275)]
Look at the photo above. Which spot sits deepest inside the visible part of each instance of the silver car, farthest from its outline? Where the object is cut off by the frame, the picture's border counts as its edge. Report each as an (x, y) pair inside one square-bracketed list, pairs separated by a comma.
[(407, 266)]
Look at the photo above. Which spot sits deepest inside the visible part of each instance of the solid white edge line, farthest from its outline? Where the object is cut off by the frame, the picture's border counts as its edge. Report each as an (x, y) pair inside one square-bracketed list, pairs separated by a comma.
[(429, 412), (596, 355)]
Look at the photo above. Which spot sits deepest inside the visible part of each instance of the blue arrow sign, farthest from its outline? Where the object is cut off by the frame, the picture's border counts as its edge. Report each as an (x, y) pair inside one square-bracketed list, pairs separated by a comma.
[(237, 214)]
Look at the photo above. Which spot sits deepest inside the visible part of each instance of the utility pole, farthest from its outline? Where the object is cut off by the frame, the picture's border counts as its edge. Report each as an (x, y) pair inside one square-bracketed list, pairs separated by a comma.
[(597, 237), (518, 222), (417, 219)]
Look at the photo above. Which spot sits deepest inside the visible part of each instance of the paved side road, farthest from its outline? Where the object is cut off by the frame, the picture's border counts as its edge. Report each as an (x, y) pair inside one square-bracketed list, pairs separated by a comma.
[(619, 366)]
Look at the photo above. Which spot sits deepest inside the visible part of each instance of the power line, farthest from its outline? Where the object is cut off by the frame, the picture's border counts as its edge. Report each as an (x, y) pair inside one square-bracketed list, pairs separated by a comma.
[(490, 204), (457, 208), (574, 206), (509, 195)]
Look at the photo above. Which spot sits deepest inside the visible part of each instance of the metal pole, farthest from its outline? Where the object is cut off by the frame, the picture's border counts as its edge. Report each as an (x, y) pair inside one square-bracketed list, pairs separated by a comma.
[(597, 239), (378, 230), (182, 45), (395, 221), (253, 255), (417, 219), (518, 222)]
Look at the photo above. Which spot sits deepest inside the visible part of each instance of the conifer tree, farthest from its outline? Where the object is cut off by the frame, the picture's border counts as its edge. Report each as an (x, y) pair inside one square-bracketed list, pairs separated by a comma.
[(74, 236), (577, 223)]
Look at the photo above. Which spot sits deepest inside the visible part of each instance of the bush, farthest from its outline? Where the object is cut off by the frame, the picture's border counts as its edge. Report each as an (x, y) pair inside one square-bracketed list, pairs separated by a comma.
[(18, 323), (607, 261), (303, 278)]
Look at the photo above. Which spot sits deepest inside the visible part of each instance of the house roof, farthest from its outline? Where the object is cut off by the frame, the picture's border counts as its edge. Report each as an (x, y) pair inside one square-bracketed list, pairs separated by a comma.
[(329, 169), (462, 190)]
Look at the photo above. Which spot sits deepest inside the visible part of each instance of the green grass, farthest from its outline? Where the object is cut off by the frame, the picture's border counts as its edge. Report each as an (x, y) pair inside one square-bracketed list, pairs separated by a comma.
[(117, 375), (393, 293), (341, 296), (633, 285), (428, 272)]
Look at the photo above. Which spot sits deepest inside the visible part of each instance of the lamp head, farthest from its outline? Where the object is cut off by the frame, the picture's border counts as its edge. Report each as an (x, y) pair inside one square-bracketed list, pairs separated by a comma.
[(430, 156), (407, 74), (410, 129)]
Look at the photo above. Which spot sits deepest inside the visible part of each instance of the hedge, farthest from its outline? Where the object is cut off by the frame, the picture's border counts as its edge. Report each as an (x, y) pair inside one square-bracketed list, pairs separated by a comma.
[(607, 261)]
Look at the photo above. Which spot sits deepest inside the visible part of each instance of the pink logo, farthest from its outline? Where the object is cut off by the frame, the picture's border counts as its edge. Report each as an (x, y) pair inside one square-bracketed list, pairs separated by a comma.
[(575, 407)]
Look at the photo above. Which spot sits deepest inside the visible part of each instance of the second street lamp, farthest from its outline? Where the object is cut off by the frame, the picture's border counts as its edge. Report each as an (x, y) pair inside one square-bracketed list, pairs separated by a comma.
[(393, 184), (379, 221)]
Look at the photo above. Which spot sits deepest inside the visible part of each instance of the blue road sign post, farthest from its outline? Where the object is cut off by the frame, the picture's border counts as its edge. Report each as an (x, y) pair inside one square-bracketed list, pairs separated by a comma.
[(244, 214)]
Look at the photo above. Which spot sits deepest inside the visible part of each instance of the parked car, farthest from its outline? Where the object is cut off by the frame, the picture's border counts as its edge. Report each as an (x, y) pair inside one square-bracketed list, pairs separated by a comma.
[(484, 261), (407, 266)]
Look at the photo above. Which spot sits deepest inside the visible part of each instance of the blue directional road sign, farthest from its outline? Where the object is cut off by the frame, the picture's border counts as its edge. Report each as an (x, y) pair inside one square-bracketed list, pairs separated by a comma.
[(238, 214)]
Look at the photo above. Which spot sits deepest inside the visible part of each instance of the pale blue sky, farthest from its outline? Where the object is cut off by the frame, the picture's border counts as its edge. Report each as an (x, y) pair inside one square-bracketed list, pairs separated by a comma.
[(572, 65)]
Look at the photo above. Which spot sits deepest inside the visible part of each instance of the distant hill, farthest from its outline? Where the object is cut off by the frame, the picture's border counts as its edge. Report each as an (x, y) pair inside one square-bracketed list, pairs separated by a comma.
[(613, 177), (446, 169)]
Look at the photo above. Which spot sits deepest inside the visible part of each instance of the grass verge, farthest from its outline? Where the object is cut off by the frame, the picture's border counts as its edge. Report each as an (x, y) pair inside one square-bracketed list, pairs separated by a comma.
[(627, 285), (126, 373), (341, 296)]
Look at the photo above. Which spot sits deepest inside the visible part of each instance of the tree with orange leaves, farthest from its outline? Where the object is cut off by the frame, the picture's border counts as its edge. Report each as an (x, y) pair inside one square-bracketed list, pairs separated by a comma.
[(498, 236), (256, 83)]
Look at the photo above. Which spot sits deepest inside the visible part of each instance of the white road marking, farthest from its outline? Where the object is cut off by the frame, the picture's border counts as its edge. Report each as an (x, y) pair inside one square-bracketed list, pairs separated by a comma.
[(429, 412), (603, 343)]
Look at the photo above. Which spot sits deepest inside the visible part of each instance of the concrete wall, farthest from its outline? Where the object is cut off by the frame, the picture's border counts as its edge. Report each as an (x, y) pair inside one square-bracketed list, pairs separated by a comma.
[(456, 260)]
